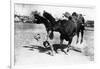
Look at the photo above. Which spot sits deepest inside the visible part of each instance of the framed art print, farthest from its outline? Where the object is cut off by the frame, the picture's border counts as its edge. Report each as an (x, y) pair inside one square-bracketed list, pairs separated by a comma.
[(43, 34)]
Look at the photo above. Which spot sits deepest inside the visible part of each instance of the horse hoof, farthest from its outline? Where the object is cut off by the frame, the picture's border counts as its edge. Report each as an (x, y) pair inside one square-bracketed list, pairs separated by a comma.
[(49, 53)]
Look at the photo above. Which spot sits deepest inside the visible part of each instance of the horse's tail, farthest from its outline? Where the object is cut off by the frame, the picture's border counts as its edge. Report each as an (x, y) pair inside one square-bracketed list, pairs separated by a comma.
[(51, 35)]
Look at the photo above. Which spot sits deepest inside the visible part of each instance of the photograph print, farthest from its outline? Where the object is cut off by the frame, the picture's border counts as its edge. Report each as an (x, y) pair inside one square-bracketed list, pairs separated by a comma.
[(53, 35)]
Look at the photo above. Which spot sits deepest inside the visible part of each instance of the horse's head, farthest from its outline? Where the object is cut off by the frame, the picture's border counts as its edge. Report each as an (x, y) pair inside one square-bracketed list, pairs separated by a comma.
[(40, 19), (37, 19)]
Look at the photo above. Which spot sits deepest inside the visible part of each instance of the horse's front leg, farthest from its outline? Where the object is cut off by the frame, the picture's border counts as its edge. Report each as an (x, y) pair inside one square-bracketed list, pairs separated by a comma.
[(52, 50), (61, 40), (69, 44), (47, 35)]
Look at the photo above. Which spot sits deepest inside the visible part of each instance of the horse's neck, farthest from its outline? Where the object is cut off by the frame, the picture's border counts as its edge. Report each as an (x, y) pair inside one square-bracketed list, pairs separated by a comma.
[(46, 24), (49, 17)]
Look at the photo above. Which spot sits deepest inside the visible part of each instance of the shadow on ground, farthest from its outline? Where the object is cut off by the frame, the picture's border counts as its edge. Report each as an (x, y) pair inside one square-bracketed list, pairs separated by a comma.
[(39, 48), (48, 49)]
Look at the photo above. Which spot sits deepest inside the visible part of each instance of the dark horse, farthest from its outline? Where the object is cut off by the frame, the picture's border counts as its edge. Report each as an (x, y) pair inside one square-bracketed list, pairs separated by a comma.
[(66, 28)]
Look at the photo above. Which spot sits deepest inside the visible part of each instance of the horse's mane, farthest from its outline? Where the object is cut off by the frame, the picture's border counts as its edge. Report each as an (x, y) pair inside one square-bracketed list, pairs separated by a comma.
[(49, 16), (41, 18)]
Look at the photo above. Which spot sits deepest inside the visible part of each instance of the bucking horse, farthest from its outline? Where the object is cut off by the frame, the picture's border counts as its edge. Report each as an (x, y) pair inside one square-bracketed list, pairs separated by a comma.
[(67, 27)]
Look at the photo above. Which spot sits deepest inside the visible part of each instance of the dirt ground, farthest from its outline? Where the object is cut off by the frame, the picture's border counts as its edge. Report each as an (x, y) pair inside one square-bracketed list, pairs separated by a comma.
[(24, 36)]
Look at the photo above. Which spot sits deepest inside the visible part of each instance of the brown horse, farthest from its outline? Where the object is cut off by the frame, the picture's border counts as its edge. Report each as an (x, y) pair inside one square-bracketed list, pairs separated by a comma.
[(66, 28)]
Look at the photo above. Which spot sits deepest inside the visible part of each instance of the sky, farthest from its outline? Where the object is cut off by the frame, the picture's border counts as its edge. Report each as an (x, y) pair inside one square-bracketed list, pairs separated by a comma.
[(56, 11)]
